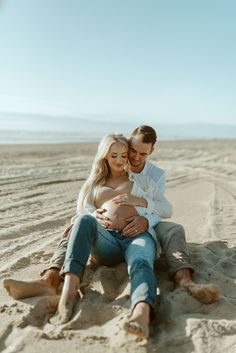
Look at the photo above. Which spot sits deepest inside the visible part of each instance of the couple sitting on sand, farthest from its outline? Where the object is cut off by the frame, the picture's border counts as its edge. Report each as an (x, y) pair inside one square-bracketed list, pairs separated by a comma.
[(119, 211)]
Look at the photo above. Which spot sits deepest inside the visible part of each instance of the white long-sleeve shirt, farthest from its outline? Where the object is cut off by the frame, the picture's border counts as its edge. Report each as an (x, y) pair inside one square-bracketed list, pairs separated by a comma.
[(158, 175)]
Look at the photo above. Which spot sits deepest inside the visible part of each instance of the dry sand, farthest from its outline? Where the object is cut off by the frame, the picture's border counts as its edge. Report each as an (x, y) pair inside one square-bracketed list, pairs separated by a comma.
[(39, 185)]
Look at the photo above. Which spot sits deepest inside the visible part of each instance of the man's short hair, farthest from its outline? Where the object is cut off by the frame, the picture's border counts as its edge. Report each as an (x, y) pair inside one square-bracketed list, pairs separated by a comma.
[(146, 133)]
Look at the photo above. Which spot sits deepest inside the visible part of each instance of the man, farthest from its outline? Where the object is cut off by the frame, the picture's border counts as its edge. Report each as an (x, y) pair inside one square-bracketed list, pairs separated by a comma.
[(171, 235)]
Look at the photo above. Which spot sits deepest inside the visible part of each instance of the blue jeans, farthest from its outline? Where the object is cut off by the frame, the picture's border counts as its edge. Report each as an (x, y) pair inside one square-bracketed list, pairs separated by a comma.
[(112, 248)]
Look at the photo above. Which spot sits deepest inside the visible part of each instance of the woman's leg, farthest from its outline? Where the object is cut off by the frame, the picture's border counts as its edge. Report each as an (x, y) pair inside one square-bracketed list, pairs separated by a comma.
[(87, 234), (140, 255)]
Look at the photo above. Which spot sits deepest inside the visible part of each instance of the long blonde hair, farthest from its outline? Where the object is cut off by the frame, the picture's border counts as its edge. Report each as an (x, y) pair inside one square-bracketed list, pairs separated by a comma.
[(99, 171)]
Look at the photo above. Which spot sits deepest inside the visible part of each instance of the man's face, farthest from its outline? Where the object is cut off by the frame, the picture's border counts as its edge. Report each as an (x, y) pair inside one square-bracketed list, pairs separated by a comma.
[(138, 152)]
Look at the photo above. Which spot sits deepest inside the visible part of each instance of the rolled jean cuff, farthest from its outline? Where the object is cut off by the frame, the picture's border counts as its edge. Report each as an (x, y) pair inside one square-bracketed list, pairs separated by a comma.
[(181, 267), (73, 266), (144, 299)]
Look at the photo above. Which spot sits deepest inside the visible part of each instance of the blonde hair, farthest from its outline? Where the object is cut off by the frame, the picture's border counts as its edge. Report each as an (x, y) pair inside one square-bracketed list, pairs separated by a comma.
[(99, 171)]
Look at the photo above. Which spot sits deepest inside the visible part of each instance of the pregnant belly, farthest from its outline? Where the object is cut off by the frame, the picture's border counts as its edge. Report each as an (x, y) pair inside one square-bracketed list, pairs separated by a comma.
[(118, 214)]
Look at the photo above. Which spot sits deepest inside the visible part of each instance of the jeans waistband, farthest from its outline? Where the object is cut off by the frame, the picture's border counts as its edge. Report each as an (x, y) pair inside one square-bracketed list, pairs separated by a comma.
[(114, 230), (117, 233)]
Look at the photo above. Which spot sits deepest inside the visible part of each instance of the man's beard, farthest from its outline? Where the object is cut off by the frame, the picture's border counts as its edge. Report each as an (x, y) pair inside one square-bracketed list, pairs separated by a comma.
[(135, 164)]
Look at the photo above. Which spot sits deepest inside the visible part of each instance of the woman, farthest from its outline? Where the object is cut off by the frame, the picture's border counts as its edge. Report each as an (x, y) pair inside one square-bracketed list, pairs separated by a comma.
[(112, 186)]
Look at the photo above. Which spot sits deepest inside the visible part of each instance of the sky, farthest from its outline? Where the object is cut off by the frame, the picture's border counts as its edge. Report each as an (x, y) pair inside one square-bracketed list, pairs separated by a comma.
[(125, 60)]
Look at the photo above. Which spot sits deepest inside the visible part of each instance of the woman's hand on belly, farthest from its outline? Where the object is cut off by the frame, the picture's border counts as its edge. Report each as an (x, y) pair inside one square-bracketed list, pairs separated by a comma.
[(103, 220), (129, 200)]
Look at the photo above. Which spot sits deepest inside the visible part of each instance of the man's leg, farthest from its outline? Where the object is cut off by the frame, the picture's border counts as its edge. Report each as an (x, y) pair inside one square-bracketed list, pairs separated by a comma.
[(50, 279), (172, 238)]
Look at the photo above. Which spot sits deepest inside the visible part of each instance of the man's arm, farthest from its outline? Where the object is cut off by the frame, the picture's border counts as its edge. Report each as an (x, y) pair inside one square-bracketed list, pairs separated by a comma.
[(161, 183), (156, 202), (157, 205), (161, 206)]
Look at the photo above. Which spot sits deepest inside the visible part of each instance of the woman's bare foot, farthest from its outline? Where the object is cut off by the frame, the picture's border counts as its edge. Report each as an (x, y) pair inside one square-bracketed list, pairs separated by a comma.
[(68, 298), (205, 293), (138, 323), (47, 285)]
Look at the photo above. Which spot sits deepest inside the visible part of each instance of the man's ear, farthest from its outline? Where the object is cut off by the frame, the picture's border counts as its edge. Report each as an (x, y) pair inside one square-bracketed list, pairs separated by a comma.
[(152, 149)]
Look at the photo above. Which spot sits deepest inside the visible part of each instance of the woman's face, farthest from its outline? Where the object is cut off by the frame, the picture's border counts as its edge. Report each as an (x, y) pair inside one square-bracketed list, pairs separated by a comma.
[(117, 157)]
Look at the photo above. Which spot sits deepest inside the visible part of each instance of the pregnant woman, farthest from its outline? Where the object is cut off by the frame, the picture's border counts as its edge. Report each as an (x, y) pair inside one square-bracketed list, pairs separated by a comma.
[(123, 194)]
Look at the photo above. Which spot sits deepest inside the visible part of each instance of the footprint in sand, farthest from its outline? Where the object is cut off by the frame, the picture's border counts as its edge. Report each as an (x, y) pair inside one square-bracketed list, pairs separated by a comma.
[(41, 312)]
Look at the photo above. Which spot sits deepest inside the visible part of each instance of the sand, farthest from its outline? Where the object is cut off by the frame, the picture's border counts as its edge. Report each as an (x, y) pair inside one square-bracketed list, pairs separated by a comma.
[(39, 185)]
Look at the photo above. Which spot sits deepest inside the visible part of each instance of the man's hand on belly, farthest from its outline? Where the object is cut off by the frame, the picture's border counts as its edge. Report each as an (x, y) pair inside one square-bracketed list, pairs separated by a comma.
[(137, 225), (67, 231)]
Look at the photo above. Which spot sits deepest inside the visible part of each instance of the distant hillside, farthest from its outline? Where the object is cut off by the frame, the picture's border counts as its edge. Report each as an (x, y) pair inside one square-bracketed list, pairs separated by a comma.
[(62, 129)]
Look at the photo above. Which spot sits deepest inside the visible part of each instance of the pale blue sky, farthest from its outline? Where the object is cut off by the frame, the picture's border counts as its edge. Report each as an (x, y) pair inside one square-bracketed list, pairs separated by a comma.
[(164, 61)]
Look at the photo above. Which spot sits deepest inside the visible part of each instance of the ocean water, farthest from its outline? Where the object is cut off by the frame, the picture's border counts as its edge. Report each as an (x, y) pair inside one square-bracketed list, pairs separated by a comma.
[(27, 129)]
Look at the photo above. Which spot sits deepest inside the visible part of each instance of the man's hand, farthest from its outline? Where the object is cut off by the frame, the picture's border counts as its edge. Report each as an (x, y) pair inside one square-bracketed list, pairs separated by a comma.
[(67, 231), (103, 220), (137, 225)]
